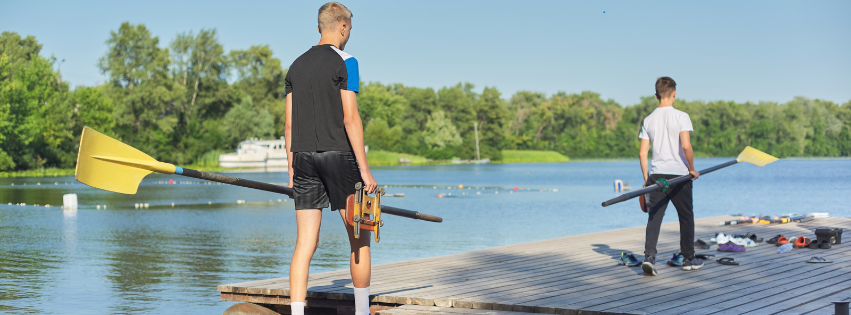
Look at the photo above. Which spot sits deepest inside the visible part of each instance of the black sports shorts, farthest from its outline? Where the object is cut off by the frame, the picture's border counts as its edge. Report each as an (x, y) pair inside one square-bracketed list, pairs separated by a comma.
[(320, 176)]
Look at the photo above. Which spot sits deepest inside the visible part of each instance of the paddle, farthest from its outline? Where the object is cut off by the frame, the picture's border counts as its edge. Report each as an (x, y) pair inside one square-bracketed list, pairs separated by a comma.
[(750, 155), (109, 164)]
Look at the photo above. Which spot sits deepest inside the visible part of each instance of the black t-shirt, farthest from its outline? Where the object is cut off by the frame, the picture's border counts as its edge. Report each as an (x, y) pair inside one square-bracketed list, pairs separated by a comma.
[(315, 79)]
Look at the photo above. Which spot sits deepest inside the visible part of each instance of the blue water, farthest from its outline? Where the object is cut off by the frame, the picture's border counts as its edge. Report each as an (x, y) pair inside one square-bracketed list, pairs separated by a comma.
[(169, 259)]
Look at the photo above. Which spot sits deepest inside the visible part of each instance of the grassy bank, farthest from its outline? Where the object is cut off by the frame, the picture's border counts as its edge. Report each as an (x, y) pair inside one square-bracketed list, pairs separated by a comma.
[(45, 172), (385, 158), (532, 156)]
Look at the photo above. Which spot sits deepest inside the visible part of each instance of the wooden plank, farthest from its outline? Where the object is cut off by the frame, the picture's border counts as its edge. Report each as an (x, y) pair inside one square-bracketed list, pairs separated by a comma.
[(732, 288), (807, 294), (607, 258), (430, 310), (595, 280), (742, 293), (569, 275)]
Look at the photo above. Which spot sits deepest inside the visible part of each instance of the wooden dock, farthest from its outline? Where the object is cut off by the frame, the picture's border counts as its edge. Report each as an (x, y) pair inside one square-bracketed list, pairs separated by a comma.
[(578, 275)]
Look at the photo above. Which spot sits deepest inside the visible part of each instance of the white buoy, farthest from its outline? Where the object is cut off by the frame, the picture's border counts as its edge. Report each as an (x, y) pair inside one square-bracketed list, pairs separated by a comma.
[(618, 185), (69, 201), (47, 205), (98, 207), (147, 205), (172, 204), (136, 205)]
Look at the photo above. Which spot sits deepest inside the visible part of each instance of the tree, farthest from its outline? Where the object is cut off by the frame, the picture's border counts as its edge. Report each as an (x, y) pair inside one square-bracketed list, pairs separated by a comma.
[(35, 130), (260, 76), (440, 132), (246, 120), (147, 101), (380, 136)]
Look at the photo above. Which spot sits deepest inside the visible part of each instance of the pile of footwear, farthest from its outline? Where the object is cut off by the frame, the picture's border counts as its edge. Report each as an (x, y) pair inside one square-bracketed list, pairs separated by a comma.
[(825, 239), (734, 243)]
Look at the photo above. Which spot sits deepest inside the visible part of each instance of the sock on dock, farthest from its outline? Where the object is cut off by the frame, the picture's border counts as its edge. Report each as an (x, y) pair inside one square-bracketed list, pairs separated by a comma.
[(361, 301), (297, 308)]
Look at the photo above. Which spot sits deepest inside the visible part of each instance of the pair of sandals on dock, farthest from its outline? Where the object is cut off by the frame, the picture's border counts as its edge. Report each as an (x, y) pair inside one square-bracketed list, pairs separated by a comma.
[(800, 242)]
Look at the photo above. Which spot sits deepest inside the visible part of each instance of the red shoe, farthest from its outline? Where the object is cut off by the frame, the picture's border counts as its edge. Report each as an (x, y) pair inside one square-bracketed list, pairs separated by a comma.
[(802, 242), (782, 241)]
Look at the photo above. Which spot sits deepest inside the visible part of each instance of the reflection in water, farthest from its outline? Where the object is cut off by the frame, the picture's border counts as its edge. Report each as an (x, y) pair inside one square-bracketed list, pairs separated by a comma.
[(169, 259)]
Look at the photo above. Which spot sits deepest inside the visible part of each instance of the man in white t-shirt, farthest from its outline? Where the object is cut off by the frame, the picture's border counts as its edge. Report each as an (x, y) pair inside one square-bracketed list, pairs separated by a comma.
[(668, 129)]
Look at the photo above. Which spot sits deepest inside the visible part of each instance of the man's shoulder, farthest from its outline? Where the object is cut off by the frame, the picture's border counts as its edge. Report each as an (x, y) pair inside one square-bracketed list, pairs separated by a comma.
[(346, 56)]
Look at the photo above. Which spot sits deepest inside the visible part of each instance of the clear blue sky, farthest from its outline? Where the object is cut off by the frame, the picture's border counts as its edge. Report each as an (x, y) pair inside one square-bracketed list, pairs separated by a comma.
[(715, 50)]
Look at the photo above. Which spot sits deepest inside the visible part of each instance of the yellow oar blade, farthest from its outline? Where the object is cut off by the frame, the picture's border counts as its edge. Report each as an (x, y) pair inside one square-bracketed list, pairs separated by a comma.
[(755, 157), (109, 164)]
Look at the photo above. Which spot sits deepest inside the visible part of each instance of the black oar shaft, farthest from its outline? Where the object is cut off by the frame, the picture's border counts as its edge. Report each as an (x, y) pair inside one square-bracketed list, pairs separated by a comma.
[(659, 186), (235, 181), (410, 214), (289, 191)]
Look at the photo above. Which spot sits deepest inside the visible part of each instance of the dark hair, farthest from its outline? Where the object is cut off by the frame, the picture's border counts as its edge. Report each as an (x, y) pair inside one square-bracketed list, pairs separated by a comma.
[(665, 86)]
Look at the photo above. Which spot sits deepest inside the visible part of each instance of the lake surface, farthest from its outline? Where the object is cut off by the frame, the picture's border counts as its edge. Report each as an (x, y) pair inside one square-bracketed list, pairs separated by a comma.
[(169, 259)]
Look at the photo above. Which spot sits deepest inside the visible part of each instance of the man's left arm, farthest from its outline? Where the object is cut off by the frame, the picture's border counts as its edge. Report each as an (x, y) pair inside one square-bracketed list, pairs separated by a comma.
[(685, 139)]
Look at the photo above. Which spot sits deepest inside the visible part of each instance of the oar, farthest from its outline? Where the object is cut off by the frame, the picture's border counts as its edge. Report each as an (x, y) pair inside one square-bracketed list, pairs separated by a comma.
[(750, 155), (109, 164)]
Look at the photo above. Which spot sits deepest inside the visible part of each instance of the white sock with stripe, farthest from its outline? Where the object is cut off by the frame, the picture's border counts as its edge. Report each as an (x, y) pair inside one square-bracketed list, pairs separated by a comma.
[(297, 308), (361, 301)]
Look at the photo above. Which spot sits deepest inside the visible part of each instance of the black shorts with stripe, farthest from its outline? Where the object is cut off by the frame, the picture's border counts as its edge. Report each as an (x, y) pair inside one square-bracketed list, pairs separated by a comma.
[(320, 177)]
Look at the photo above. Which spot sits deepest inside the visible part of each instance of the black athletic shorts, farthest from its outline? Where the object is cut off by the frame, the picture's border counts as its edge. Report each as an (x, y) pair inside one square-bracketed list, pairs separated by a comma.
[(320, 176)]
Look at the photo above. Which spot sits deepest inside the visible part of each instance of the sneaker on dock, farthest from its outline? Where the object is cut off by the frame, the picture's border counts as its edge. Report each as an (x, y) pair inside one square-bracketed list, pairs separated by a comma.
[(692, 264), (647, 266)]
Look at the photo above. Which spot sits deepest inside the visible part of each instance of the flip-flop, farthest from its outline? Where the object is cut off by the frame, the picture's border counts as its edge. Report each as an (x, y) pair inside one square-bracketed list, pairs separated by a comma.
[(728, 261), (824, 244), (818, 260)]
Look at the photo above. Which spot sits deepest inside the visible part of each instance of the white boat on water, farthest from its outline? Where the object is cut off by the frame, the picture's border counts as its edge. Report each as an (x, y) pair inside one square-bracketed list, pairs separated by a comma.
[(257, 153)]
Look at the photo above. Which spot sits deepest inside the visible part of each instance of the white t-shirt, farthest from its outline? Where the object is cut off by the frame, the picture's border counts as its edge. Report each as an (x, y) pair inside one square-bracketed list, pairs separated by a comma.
[(662, 127)]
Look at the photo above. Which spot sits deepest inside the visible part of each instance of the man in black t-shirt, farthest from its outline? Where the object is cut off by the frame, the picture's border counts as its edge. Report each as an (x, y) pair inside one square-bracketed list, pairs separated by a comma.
[(325, 149)]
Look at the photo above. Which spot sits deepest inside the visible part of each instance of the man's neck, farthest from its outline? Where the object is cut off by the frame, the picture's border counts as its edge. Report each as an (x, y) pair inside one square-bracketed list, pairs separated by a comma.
[(666, 102), (330, 40)]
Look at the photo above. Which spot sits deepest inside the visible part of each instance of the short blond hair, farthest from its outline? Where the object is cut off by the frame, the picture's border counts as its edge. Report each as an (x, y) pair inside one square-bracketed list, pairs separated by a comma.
[(332, 13)]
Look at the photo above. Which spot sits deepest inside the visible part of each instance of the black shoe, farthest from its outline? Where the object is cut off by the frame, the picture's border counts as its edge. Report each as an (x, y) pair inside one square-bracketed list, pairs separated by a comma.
[(647, 266), (692, 264)]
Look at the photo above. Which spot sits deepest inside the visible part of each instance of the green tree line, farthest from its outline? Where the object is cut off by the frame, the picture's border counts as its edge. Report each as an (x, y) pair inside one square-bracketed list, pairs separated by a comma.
[(189, 100)]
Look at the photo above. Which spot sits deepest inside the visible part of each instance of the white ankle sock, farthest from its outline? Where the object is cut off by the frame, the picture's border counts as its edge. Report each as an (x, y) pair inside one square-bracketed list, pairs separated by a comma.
[(361, 301), (297, 308)]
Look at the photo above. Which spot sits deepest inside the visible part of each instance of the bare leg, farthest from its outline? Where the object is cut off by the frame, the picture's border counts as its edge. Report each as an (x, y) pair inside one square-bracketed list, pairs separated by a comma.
[(308, 221), (360, 263)]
